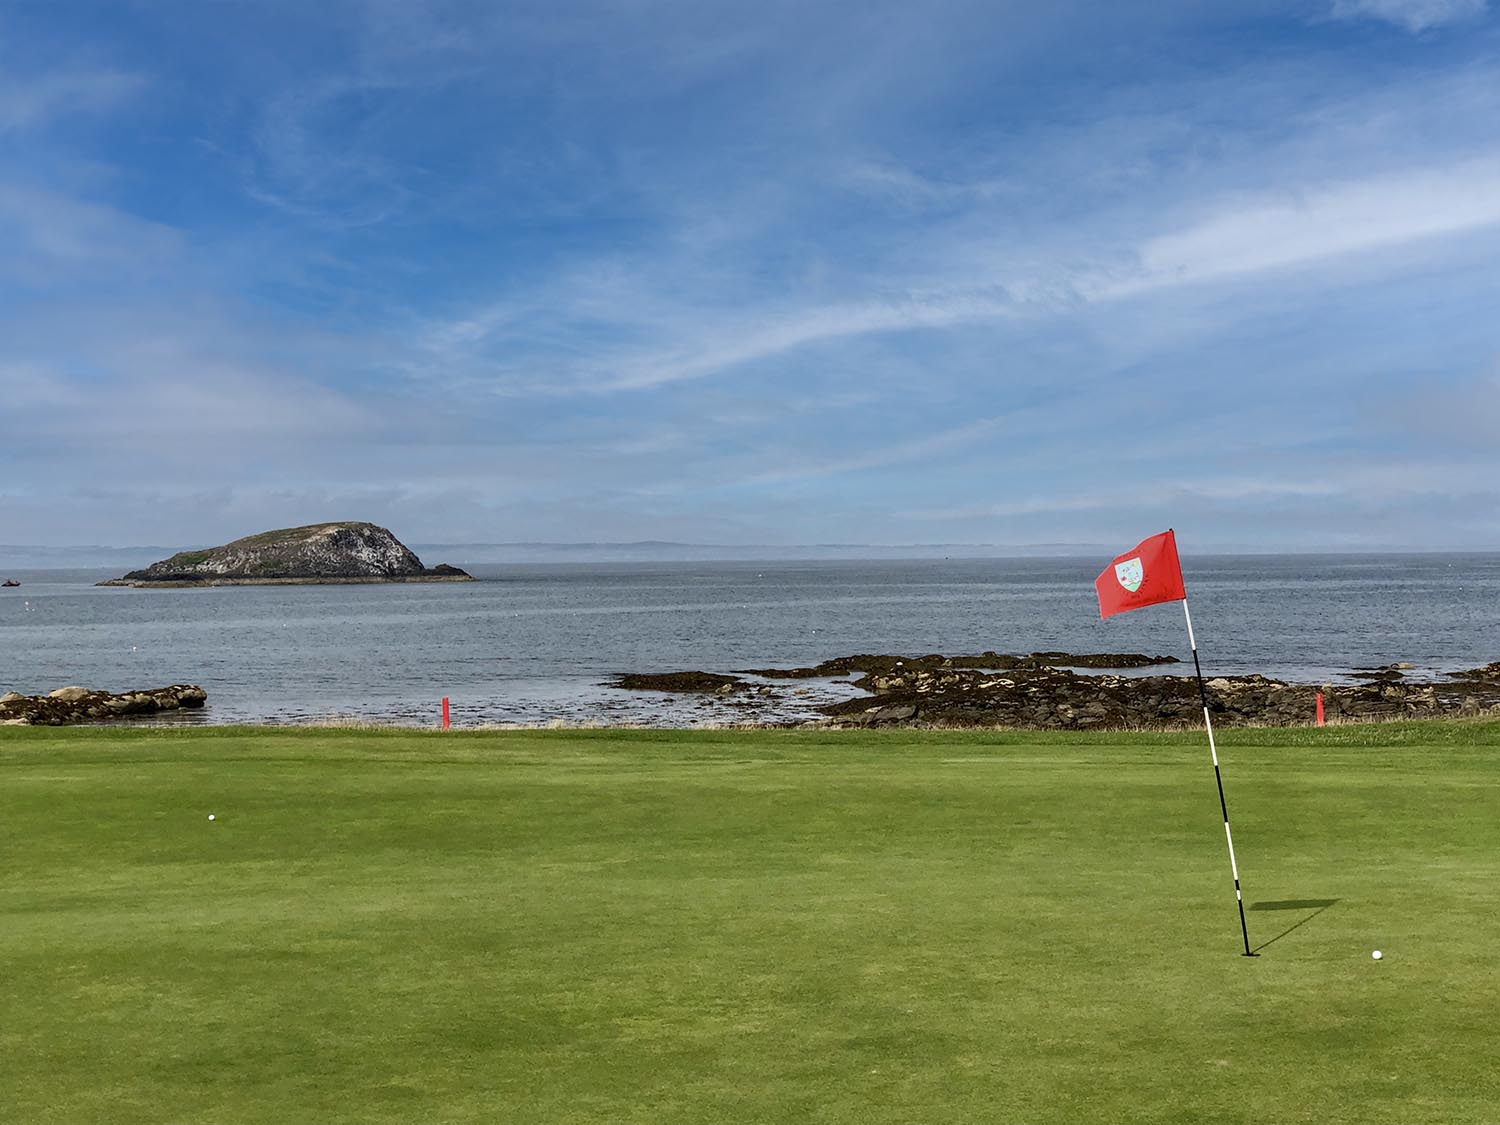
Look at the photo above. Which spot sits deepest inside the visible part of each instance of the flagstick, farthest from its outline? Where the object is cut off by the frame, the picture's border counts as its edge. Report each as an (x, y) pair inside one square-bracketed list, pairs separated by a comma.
[(1209, 726)]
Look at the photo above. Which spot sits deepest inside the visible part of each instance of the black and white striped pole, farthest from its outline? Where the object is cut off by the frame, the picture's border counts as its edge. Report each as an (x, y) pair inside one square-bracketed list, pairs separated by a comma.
[(1214, 753)]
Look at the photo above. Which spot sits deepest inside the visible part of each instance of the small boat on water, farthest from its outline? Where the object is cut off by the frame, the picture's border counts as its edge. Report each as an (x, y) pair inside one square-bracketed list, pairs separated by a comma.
[(10, 582)]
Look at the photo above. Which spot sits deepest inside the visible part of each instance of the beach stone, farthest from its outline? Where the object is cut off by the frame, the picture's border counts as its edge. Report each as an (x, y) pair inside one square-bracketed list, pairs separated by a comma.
[(69, 694), (11, 697), (899, 713)]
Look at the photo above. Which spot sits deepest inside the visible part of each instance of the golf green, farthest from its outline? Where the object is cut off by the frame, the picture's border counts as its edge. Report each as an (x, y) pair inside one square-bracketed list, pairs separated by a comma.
[(607, 926)]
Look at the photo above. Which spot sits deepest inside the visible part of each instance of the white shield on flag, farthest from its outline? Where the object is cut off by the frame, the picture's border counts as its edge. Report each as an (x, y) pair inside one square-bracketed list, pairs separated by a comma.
[(1129, 573)]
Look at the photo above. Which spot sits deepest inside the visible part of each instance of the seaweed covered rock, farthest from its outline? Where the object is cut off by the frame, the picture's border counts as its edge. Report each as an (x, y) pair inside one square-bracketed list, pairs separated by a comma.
[(1045, 691), (84, 705), (679, 682)]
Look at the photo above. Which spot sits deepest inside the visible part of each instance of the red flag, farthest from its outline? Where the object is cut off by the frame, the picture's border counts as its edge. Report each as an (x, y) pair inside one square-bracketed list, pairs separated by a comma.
[(1144, 576)]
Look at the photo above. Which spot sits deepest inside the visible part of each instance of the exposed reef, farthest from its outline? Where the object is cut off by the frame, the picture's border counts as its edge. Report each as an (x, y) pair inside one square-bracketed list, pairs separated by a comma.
[(84, 705), (869, 663), (1041, 691), (322, 553), (680, 682)]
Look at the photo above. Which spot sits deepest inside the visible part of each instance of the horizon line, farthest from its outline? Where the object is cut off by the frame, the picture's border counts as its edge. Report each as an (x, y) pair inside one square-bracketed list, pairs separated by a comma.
[(639, 544)]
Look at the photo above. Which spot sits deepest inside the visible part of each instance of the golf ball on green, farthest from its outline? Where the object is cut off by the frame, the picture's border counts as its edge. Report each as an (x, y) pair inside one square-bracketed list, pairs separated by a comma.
[(1375, 955), (211, 816)]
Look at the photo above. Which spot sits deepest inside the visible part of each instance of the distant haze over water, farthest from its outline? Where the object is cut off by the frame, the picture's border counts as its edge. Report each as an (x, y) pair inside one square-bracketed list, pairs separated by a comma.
[(534, 641), (33, 556), (650, 550)]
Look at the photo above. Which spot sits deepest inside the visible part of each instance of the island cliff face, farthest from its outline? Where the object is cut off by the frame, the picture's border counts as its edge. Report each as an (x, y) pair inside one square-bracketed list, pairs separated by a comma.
[(319, 553)]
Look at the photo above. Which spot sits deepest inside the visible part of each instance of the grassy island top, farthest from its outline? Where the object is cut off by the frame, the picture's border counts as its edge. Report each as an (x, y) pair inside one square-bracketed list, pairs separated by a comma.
[(271, 538)]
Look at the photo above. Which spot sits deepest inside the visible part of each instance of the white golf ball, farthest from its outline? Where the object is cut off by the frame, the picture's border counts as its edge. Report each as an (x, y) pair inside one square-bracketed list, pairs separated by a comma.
[(211, 816), (1376, 955)]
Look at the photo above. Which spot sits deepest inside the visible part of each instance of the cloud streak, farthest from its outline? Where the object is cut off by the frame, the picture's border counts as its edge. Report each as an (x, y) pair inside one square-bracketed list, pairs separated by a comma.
[(54, 238), (1319, 223), (1315, 225), (1414, 16), (34, 101)]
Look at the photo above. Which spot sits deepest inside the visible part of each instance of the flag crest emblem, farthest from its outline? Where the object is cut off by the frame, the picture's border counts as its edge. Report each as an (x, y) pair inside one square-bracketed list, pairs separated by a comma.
[(1146, 574)]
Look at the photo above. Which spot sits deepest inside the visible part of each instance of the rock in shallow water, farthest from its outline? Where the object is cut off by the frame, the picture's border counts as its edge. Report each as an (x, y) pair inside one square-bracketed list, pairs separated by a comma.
[(679, 682), (81, 705)]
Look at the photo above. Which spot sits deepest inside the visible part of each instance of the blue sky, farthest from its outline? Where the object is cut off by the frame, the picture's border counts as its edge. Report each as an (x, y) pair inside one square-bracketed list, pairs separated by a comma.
[(770, 273)]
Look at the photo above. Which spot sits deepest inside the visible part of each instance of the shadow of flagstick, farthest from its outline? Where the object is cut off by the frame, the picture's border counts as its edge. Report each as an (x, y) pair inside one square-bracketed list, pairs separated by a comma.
[(1321, 904)]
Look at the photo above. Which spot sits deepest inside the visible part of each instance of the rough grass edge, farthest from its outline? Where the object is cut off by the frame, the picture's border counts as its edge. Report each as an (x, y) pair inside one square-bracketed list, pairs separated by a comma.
[(1447, 733)]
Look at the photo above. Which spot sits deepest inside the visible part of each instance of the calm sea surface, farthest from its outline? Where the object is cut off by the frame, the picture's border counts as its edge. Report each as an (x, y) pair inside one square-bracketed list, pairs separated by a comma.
[(532, 643)]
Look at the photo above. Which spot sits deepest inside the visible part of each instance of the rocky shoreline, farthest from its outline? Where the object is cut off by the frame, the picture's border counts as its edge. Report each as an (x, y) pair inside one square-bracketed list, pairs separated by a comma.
[(69, 705), (1042, 692)]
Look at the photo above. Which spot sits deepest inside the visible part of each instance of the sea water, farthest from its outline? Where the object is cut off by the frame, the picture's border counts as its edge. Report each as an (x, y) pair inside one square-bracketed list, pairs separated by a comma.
[(535, 643)]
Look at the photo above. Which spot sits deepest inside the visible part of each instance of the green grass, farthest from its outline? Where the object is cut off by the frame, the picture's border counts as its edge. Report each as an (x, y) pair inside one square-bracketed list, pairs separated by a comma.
[(681, 927)]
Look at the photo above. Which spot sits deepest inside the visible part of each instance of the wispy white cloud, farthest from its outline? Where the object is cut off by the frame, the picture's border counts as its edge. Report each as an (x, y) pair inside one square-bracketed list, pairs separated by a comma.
[(160, 391), (1413, 15), (315, 159), (777, 334), (888, 453), (1317, 223), (908, 188), (32, 101), (607, 328), (29, 386), (52, 236)]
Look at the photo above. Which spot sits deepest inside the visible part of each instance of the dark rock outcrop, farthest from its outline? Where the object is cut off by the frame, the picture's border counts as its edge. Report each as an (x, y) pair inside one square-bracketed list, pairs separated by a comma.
[(1094, 660), (1041, 691), (848, 665), (679, 682), (84, 705), (1050, 698), (1486, 676), (315, 554)]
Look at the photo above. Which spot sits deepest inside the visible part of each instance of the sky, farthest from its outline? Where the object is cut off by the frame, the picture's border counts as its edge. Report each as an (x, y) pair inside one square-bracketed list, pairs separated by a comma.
[(752, 273)]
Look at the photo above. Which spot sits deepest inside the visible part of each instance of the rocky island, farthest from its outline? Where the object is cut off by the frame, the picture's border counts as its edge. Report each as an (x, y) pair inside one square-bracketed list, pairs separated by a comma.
[(343, 552)]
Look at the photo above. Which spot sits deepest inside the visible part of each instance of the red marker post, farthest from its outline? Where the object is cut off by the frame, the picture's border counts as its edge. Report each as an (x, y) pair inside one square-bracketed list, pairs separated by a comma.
[(445, 712), (1320, 708)]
